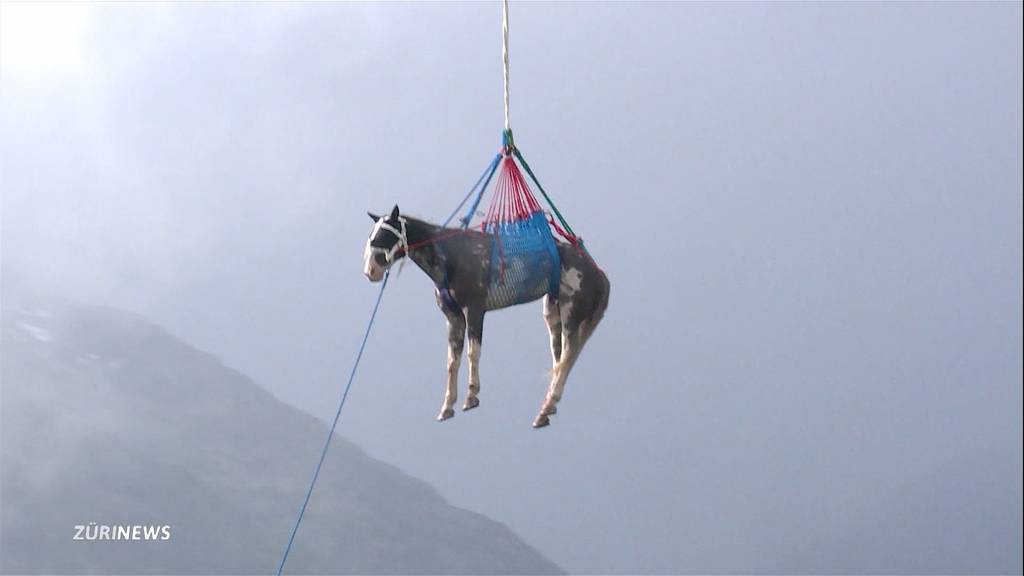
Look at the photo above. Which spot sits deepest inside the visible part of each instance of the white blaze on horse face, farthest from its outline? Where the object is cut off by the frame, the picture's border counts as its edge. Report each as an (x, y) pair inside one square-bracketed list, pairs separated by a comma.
[(377, 260), (373, 270), (370, 267)]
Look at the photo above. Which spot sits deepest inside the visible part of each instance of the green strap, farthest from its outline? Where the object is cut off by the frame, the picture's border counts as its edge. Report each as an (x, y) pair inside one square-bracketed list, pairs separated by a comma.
[(533, 177)]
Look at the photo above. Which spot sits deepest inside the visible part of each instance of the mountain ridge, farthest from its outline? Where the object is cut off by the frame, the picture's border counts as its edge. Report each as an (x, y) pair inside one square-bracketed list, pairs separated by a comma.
[(109, 418)]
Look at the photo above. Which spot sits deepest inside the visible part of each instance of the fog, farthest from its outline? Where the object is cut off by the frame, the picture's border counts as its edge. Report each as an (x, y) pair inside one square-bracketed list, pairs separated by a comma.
[(810, 215)]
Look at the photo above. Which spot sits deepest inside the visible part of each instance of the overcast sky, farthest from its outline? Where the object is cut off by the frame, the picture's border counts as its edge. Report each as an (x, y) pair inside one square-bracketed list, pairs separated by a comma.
[(810, 214)]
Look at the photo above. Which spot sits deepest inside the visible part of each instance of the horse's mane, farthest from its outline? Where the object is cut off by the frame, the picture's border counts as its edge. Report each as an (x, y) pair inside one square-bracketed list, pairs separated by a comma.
[(430, 228)]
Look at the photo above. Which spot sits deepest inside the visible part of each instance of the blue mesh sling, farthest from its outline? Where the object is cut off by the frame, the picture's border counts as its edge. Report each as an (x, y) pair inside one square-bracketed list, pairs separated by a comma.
[(524, 262), (524, 257)]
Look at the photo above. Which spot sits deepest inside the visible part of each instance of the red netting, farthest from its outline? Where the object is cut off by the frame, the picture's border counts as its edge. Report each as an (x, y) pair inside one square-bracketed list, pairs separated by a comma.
[(512, 200)]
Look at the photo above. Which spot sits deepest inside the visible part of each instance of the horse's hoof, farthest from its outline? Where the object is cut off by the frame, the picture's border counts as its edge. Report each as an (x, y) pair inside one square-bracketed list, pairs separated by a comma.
[(541, 421), (445, 414), (470, 403)]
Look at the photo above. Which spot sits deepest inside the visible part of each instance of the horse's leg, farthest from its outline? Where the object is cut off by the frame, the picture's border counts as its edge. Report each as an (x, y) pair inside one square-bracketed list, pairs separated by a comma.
[(554, 322), (553, 318), (576, 329), (572, 343), (456, 340), (475, 328)]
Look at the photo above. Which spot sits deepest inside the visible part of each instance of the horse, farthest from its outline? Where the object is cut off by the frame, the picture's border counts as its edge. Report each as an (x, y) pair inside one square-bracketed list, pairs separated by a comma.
[(459, 261)]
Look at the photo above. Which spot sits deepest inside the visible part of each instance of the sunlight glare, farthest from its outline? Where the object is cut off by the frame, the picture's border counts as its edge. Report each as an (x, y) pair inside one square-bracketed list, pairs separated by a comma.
[(40, 41)]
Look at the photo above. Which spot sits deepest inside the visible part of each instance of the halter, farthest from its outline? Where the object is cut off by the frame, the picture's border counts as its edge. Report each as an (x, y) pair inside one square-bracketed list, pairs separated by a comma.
[(389, 253)]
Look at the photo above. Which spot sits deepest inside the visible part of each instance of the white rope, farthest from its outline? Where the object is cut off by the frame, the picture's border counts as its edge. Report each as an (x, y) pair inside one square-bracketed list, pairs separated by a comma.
[(504, 57)]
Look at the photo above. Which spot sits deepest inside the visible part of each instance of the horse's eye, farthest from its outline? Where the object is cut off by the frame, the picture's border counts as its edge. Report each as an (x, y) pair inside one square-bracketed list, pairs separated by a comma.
[(380, 258)]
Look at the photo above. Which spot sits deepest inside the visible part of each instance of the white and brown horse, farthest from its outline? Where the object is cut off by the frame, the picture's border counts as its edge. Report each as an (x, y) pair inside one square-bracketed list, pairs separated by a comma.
[(459, 263)]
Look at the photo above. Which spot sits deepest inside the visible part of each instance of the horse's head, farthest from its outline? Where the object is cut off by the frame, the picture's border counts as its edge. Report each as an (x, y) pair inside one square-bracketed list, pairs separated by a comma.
[(387, 244)]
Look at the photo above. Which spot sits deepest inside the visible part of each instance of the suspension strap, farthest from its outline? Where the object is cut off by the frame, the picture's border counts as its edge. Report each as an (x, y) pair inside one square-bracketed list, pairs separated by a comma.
[(504, 59), (465, 220), (568, 229), (479, 196)]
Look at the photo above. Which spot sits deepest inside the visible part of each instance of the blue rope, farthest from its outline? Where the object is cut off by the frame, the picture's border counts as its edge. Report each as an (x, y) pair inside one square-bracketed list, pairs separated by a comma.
[(488, 170), (337, 416), (476, 203)]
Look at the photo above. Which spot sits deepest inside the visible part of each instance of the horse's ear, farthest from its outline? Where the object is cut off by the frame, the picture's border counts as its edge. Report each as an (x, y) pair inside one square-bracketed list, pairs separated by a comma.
[(373, 216), (394, 213)]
